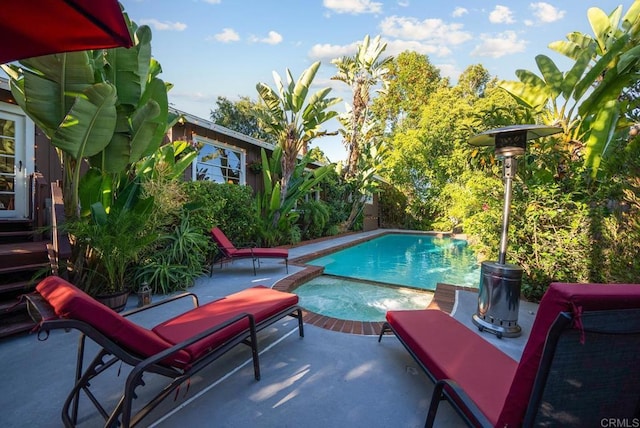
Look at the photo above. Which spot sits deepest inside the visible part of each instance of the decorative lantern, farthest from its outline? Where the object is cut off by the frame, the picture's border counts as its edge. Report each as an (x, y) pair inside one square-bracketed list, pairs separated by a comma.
[(144, 295)]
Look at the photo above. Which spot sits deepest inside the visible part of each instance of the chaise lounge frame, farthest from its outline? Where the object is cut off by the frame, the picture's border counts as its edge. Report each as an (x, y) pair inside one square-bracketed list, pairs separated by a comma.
[(579, 366), (165, 362), (228, 252)]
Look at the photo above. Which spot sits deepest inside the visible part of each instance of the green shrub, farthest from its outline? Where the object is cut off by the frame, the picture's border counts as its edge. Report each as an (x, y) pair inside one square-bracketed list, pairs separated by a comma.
[(227, 206), (314, 216), (549, 237), (179, 258)]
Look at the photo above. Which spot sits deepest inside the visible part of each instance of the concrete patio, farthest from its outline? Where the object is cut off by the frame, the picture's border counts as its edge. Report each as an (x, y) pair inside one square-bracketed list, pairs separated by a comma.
[(326, 379)]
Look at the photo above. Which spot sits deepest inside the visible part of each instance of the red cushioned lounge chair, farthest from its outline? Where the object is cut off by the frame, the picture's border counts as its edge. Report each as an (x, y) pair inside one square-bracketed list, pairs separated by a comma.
[(229, 252), (580, 366), (177, 348)]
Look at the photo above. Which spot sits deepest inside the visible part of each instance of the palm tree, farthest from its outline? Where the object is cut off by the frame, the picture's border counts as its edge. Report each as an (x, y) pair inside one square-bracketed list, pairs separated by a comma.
[(361, 72), (292, 120)]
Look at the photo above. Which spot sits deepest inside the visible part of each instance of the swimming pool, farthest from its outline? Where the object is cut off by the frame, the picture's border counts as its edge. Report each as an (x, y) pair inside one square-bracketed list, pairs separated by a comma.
[(412, 260), (348, 299)]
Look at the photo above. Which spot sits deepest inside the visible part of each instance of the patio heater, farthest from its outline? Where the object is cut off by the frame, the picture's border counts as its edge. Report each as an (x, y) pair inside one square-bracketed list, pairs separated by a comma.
[(500, 282)]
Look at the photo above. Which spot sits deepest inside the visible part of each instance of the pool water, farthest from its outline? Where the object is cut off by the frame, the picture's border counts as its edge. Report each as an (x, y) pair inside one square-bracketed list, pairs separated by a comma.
[(353, 300), (413, 260)]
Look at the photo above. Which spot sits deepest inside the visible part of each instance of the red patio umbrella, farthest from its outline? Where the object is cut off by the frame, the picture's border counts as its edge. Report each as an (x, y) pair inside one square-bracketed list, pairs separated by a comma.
[(31, 28)]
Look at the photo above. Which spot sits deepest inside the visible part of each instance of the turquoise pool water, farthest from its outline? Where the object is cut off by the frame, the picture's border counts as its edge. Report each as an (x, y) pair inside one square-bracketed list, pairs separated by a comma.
[(352, 300), (412, 260)]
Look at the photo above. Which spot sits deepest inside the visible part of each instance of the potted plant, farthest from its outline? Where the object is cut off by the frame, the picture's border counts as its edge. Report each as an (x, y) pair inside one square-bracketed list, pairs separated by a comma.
[(107, 245)]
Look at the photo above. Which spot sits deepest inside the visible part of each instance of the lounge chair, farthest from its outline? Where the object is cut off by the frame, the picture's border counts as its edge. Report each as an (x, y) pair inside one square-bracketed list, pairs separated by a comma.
[(177, 348), (580, 365), (227, 251)]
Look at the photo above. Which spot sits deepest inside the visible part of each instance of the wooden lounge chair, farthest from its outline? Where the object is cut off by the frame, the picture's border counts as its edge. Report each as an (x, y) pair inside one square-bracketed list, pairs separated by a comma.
[(227, 251), (580, 364), (177, 348)]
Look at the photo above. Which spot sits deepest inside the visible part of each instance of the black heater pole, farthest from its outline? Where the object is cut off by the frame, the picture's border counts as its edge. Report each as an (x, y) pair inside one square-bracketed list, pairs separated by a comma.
[(500, 282)]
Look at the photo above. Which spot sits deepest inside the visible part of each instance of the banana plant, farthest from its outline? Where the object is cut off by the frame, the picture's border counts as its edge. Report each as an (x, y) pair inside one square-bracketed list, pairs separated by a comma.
[(276, 215), (585, 100), (293, 120), (103, 107)]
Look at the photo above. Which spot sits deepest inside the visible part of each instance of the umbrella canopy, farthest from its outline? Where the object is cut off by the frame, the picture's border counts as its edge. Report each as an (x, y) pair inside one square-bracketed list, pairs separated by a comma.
[(32, 28)]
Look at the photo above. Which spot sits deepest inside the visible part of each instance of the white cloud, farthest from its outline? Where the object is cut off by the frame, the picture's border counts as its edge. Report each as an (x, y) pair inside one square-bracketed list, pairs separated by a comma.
[(354, 7), (506, 43), (546, 13), (273, 38), (432, 30), (501, 15), (449, 70), (164, 26), (212, 1), (227, 35), (396, 47), (459, 11), (327, 52), (404, 3), (528, 22)]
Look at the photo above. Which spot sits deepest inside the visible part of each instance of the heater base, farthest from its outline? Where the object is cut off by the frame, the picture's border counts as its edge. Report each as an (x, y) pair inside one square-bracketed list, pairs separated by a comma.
[(510, 330)]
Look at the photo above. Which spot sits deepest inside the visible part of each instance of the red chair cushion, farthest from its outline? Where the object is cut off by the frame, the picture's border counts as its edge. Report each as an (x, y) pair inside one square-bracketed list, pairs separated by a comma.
[(70, 302), (278, 253), (558, 298), (260, 301), (223, 242), (450, 350)]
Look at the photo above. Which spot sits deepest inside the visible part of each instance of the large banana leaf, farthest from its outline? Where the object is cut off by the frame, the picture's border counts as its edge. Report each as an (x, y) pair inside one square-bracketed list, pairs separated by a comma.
[(552, 75), (87, 128), (602, 129)]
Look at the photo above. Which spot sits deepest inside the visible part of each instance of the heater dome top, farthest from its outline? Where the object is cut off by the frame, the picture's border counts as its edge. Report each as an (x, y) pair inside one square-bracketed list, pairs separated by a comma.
[(488, 138)]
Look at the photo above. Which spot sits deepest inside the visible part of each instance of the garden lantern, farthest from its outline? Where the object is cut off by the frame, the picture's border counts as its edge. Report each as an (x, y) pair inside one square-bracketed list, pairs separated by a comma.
[(500, 282)]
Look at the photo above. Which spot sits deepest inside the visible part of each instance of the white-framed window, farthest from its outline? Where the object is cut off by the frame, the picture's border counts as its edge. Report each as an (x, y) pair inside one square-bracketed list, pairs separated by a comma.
[(219, 162)]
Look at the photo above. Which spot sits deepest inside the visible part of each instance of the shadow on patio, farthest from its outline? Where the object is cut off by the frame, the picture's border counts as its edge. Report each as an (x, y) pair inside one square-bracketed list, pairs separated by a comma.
[(326, 379)]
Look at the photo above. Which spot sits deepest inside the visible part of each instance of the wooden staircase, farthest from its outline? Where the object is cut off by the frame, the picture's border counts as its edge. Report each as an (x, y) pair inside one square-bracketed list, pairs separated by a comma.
[(23, 256), (26, 254)]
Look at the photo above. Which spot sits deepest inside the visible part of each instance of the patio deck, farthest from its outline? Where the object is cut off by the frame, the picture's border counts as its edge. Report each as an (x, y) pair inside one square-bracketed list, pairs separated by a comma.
[(328, 378)]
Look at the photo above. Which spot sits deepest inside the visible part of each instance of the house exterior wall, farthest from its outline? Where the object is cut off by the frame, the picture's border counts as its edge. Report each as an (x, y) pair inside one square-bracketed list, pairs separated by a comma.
[(371, 220), (48, 164)]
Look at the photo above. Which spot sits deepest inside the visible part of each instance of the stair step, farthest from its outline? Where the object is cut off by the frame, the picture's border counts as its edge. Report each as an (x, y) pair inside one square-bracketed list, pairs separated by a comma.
[(23, 256), (18, 325), (19, 287), (12, 306)]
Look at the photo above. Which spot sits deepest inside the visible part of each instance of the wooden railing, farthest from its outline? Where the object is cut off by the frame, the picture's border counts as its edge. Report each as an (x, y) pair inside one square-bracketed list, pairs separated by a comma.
[(60, 238), (38, 204)]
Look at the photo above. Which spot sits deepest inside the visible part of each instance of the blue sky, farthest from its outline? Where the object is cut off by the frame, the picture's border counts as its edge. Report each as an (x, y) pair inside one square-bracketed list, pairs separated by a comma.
[(211, 48)]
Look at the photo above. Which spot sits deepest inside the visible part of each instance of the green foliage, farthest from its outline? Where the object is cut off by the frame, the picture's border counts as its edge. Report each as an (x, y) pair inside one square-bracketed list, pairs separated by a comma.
[(550, 239), (411, 81), (104, 107), (240, 116), (587, 100), (227, 206), (178, 258), (293, 121), (276, 216), (334, 192), (107, 246), (393, 208), (314, 218)]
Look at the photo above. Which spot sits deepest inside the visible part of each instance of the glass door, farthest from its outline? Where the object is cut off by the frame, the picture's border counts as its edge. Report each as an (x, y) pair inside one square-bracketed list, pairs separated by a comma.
[(13, 167)]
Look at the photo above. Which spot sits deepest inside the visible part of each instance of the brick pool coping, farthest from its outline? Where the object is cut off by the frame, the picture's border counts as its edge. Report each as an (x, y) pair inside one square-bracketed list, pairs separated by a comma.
[(443, 299)]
